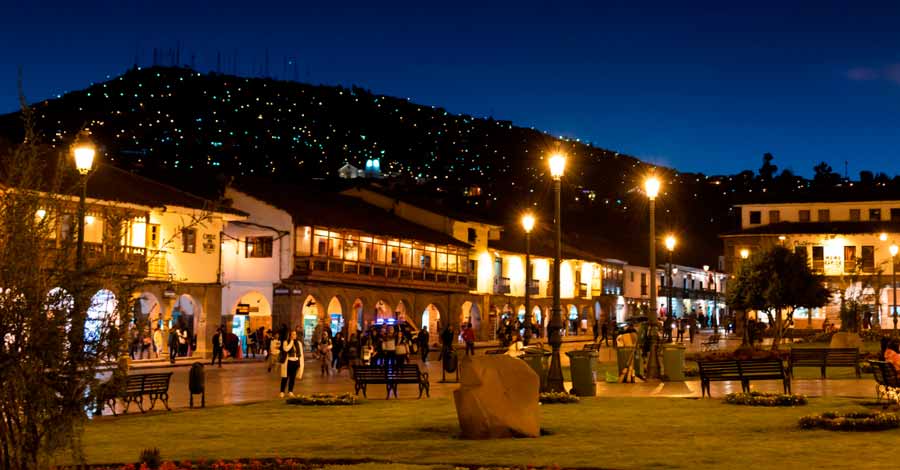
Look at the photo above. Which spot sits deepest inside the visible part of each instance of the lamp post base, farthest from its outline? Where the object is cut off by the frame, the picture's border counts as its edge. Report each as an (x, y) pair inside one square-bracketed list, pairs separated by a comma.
[(653, 372)]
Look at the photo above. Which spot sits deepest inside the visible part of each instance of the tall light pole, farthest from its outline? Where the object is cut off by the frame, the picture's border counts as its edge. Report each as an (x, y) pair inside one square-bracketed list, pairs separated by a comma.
[(745, 253), (528, 225), (670, 247), (651, 187), (554, 375), (894, 250)]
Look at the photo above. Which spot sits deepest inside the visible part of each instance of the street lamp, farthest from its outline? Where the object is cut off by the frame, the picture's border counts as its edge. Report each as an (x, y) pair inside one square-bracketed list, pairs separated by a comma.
[(894, 250), (670, 247), (651, 187), (527, 225), (883, 237), (84, 153), (554, 375), (745, 253)]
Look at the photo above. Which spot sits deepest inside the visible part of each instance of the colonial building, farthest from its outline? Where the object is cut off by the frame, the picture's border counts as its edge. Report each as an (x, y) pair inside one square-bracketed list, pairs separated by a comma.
[(845, 241)]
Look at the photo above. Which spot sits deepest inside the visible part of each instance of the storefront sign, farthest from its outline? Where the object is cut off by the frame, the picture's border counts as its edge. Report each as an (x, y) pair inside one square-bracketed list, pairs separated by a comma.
[(297, 291), (242, 309), (282, 291), (209, 243)]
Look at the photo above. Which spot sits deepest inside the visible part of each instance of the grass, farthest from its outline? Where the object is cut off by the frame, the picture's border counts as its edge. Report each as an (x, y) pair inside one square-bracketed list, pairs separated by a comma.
[(598, 432)]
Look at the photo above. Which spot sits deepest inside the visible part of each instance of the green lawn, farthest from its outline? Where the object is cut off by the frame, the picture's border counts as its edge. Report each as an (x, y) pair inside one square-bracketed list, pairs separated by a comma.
[(599, 432)]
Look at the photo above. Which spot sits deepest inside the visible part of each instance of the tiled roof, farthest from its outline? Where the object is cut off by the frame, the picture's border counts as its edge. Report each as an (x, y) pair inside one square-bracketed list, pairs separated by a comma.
[(314, 207)]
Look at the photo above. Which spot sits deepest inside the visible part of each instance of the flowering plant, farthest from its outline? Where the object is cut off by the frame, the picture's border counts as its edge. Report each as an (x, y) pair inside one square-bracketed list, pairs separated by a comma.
[(324, 399), (755, 398), (861, 421), (558, 397)]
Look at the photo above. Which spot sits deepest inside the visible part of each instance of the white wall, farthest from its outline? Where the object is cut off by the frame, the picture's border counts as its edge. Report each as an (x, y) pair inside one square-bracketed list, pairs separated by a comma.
[(201, 266), (838, 211)]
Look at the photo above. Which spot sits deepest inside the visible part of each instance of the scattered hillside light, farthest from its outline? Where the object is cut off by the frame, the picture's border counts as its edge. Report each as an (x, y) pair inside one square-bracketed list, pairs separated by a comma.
[(670, 242), (557, 165), (893, 249), (651, 186), (528, 222), (84, 157), (882, 237), (745, 253)]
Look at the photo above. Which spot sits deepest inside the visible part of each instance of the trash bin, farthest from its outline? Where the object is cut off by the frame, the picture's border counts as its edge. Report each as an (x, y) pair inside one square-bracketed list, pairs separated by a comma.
[(536, 359), (197, 384), (673, 362), (581, 366), (623, 359)]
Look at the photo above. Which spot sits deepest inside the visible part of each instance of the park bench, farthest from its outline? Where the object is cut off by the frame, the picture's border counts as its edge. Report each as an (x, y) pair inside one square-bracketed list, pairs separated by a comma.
[(710, 343), (390, 376), (743, 371), (885, 378), (824, 358), (591, 347), (136, 387)]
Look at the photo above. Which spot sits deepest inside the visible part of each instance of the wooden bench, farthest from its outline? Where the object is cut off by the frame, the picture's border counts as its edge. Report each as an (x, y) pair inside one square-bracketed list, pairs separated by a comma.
[(591, 347), (390, 376), (824, 358), (136, 387), (743, 371), (885, 378), (710, 343)]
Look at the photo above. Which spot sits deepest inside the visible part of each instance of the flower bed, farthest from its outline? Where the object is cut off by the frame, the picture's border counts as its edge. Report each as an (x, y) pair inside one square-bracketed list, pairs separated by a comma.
[(558, 397), (861, 421), (764, 399), (742, 353), (324, 399)]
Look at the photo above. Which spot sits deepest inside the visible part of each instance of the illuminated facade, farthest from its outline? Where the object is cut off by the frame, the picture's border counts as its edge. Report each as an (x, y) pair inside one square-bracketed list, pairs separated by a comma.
[(847, 242)]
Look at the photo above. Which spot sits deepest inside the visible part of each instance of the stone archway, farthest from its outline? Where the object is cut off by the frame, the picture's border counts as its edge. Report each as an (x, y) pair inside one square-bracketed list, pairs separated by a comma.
[(431, 318), (334, 315), (312, 313), (470, 313)]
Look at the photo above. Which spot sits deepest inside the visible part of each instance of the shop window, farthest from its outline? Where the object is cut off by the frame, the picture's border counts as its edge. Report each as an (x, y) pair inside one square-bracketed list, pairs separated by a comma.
[(803, 215), (824, 215), (855, 215), (755, 217), (874, 214), (258, 247), (189, 240), (818, 255), (774, 217)]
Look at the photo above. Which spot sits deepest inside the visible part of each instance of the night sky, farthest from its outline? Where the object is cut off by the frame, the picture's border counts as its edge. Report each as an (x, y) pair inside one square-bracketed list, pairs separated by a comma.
[(701, 88)]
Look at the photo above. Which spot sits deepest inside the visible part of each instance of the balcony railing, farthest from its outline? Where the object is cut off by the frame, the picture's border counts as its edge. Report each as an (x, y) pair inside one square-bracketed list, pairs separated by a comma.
[(501, 285), (534, 288), (364, 271), (157, 264), (582, 289)]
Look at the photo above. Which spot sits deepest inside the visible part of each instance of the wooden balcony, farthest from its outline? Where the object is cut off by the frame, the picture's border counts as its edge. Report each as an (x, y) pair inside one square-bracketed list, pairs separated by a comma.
[(379, 275), (501, 285), (119, 259)]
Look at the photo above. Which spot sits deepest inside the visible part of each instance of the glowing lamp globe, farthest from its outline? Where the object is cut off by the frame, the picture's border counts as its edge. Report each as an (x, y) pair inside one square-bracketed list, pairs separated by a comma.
[(745, 253), (651, 186), (557, 165), (670, 242), (528, 222), (894, 249), (84, 158)]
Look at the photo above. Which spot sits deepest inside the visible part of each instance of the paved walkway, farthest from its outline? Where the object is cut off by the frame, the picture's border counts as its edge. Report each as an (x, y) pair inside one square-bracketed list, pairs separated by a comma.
[(248, 381)]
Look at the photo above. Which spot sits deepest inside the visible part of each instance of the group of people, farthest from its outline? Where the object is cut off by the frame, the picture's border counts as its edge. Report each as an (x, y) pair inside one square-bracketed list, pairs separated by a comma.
[(180, 342)]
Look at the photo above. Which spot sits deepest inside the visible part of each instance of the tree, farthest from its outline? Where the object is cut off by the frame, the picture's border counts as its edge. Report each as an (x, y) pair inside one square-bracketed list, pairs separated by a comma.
[(767, 170), (776, 283), (824, 176)]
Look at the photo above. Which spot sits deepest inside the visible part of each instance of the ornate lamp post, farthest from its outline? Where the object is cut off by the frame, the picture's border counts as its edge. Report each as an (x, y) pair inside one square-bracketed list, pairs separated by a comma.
[(528, 225), (670, 247), (83, 152), (554, 375), (894, 250), (651, 187)]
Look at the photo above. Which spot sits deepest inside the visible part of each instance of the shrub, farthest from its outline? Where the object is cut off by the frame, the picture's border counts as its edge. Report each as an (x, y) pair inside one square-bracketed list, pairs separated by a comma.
[(558, 397), (741, 353), (324, 399), (755, 398), (150, 457), (861, 421)]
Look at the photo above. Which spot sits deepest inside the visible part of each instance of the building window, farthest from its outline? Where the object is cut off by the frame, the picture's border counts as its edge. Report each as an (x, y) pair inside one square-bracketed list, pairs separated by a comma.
[(824, 215), (874, 214), (801, 250), (189, 240), (258, 247), (632, 276), (755, 217), (868, 258), (643, 283), (774, 217), (849, 259), (895, 214), (804, 215), (818, 254), (855, 215), (473, 235)]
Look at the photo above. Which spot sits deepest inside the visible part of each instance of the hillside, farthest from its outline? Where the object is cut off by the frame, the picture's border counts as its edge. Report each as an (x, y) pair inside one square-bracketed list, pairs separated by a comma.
[(196, 130)]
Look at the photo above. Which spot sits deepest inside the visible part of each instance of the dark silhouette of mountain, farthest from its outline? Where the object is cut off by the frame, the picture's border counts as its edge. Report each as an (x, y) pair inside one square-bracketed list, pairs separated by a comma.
[(196, 131)]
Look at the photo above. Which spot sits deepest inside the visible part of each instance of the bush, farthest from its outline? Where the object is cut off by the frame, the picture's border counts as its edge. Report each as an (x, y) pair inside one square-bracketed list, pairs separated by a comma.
[(150, 457), (324, 399), (765, 399), (862, 421), (558, 397)]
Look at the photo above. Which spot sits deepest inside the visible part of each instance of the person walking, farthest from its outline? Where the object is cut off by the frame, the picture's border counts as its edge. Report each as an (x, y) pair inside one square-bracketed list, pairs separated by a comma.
[(422, 339), (468, 335), (389, 347), (274, 349), (337, 351), (291, 357), (604, 333), (218, 347), (402, 351), (173, 344), (324, 346), (157, 341), (679, 325)]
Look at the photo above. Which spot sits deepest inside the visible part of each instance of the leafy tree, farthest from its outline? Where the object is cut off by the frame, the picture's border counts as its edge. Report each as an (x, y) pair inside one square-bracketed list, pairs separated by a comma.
[(767, 170), (776, 283), (866, 178), (824, 176)]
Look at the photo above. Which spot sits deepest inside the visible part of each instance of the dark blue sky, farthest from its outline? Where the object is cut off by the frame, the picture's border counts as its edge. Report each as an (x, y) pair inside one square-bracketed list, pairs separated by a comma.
[(703, 88)]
